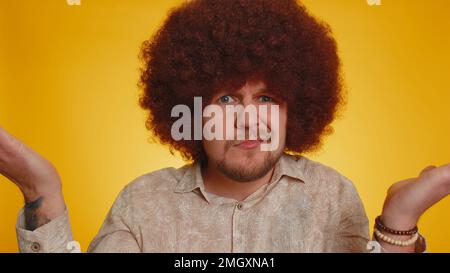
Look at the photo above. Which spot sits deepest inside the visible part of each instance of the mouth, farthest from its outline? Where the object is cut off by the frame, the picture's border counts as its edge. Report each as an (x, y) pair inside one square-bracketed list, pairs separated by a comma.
[(248, 144)]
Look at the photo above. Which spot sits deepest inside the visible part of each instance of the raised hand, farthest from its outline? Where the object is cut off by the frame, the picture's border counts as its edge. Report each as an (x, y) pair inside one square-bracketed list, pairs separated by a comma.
[(407, 200), (35, 176)]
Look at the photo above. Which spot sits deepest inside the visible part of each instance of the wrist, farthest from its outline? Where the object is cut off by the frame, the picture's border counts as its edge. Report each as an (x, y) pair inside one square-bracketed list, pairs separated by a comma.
[(396, 233), (398, 221), (45, 206), (49, 189), (51, 196)]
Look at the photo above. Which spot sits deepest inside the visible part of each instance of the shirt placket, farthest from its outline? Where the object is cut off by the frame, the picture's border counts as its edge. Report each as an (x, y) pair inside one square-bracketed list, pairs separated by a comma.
[(237, 244)]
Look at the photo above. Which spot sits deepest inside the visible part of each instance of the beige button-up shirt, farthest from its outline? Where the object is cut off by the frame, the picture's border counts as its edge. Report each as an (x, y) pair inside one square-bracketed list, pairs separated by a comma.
[(306, 207)]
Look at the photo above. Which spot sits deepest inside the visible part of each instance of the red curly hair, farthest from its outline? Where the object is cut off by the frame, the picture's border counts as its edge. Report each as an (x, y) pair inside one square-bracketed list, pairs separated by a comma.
[(206, 45)]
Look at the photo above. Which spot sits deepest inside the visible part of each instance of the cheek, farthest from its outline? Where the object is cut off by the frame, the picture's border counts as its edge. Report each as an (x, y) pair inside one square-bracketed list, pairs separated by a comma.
[(283, 122), (214, 148), (282, 128), (280, 123)]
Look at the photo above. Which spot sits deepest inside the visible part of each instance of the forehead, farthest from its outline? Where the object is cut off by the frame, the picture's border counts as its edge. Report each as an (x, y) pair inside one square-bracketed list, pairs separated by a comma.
[(249, 88), (253, 87)]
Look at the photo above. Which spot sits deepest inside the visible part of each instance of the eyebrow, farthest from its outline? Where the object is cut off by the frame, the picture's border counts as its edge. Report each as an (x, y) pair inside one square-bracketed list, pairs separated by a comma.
[(260, 90)]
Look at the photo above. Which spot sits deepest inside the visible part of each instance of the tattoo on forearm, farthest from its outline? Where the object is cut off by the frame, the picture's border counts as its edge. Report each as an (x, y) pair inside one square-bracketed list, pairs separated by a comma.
[(33, 219)]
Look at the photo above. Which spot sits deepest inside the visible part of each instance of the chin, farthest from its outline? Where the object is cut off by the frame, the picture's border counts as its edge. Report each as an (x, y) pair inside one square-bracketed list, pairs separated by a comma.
[(247, 160)]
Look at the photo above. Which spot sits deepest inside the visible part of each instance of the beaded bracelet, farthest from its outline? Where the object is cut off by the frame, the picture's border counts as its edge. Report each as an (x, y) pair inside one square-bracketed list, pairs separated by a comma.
[(391, 241), (380, 226)]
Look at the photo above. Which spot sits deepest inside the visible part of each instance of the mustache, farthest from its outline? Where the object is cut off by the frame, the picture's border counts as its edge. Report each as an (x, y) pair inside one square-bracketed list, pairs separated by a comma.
[(251, 133), (231, 143)]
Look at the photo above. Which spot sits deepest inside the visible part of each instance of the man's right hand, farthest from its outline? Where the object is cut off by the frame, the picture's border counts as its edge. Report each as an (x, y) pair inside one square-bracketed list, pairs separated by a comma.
[(35, 176)]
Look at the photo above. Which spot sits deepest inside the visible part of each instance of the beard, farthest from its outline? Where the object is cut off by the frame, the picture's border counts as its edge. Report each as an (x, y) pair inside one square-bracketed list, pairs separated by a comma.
[(249, 174)]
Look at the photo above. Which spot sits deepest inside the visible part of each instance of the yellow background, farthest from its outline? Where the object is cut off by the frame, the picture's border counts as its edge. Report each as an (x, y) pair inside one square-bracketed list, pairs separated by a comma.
[(68, 89)]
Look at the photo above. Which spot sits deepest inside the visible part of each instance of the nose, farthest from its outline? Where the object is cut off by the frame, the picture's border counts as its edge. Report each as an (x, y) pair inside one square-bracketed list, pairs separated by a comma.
[(247, 114)]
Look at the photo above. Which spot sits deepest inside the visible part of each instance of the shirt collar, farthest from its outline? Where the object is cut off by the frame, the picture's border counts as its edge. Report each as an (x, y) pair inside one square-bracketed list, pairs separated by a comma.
[(287, 165), (191, 179), (292, 166)]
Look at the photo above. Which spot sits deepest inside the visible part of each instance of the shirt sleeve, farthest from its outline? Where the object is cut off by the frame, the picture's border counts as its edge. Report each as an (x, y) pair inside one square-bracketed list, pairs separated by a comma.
[(352, 231), (352, 236), (115, 234), (353, 228), (55, 236)]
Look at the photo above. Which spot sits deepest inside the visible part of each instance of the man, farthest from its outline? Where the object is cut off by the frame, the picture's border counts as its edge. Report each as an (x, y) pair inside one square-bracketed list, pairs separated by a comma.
[(234, 196)]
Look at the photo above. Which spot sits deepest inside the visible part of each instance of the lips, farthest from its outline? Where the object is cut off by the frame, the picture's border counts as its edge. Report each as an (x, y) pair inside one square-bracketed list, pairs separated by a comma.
[(248, 144)]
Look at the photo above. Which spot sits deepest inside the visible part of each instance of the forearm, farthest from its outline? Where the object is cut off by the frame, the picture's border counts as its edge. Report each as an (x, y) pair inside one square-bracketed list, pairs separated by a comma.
[(42, 194), (42, 208)]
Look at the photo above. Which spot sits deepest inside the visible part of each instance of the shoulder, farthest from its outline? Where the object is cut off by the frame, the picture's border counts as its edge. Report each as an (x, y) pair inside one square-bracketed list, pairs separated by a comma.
[(159, 181), (329, 189), (321, 176)]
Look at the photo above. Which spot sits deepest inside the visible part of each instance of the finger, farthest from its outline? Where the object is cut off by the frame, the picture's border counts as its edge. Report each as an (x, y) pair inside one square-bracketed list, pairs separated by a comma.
[(427, 169), (435, 185), (2, 133), (443, 173), (5, 137), (440, 173), (9, 144)]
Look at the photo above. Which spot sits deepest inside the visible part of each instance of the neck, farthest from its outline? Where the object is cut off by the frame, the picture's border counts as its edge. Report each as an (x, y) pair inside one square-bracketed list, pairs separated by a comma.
[(217, 183)]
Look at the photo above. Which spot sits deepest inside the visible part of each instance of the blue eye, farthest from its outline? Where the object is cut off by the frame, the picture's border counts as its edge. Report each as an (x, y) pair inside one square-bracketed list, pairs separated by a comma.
[(265, 99), (226, 99)]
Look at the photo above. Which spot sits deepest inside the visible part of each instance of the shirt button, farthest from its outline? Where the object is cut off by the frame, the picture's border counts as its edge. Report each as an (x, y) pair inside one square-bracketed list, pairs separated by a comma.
[(239, 206), (35, 247)]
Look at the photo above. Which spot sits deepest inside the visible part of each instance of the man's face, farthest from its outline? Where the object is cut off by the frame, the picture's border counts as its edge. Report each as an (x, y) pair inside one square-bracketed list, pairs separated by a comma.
[(245, 160)]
